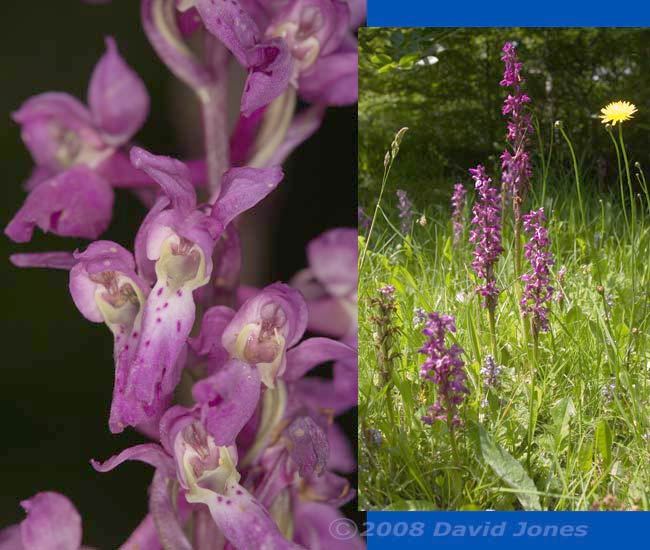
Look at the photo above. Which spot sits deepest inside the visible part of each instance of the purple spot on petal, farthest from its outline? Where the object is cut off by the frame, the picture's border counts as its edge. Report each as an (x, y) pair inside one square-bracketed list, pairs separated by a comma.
[(147, 343), (179, 292), (178, 326), (160, 291), (159, 320)]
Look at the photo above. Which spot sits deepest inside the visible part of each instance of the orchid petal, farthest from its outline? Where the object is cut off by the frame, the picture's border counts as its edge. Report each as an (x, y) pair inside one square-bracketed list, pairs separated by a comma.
[(117, 97), (328, 488), (242, 519), (341, 458), (147, 267), (149, 453), (52, 260), (264, 327), (58, 130), (145, 537), (10, 538), (166, 518), (333, 258), (314, 522), (308, 446), (331, 80), (231, 24), (313, 352), (172, 175), (155, 369), (330, 316), (358, 12), (214, 322), (243, 136), (39, 175), (241, 189), (270, 67), (76, 203), (171, 423), (52, 523), (122, 287), (311, 27), (227, 400)]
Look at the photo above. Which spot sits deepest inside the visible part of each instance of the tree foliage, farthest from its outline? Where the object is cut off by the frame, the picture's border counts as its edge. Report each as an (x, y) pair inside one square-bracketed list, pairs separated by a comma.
[(444, 85)]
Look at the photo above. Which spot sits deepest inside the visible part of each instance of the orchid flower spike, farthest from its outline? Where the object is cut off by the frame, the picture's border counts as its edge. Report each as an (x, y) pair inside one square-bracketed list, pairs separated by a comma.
[(75, 148)]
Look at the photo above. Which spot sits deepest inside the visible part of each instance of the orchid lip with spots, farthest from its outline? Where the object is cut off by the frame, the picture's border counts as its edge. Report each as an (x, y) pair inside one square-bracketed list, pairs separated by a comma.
[(234, 390)]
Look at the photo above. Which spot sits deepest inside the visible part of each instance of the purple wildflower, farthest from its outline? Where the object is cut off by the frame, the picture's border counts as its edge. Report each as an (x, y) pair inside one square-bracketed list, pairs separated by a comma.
[(405, 210), (458, 204), (515, 162), (419, 316), (443, 367), (491, 373), (538, 292), (486, 235), (329, 284), (364, 220), (387, 291), (253, 459)]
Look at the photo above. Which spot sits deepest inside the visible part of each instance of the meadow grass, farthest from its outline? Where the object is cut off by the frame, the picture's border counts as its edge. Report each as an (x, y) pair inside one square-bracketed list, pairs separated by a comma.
[(568, 428)]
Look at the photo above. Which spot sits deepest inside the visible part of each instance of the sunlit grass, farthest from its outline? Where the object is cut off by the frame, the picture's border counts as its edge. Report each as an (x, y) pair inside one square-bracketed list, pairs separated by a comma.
[(575, 417)]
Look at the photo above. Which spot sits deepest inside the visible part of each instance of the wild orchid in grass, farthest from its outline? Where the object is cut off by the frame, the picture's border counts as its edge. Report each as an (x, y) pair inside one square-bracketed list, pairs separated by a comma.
[(458, 206), (405, 210), (515, 161), (486, 235), (444, 368), (250, 456), (567, 363), (538, 292)]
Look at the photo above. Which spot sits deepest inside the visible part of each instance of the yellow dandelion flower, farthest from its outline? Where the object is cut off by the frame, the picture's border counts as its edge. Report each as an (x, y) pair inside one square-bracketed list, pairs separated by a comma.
[(619, 111)]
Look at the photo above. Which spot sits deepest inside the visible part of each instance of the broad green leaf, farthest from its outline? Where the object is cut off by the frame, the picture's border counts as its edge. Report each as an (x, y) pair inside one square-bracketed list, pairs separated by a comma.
[(586, 455), (562, 412), (407, 61), (380, 59), (604, 440), (387, 67), (509, 470)]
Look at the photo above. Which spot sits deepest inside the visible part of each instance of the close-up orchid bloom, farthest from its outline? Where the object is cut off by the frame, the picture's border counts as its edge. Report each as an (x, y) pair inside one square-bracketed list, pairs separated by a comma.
[(176, 219)]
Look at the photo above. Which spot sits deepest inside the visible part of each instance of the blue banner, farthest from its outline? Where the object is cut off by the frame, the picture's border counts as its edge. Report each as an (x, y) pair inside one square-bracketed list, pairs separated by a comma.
[(482, 13), (502, 530)]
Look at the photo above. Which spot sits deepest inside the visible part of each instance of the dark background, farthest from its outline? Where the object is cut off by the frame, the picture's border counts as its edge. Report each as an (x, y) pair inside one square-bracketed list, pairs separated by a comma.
[(453, 107), (57, 368)]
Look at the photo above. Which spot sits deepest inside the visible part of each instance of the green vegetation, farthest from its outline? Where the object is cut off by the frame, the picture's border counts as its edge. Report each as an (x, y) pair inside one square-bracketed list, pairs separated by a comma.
[(568, 428)]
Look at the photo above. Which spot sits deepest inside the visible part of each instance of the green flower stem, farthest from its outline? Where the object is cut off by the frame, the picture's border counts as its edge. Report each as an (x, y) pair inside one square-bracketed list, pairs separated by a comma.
[(577, 175), (620, 179)]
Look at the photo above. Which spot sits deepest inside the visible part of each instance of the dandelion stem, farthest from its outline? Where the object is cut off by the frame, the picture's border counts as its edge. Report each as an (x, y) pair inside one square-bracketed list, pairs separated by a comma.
[(577, 175), (629, 181), (620, 179)]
